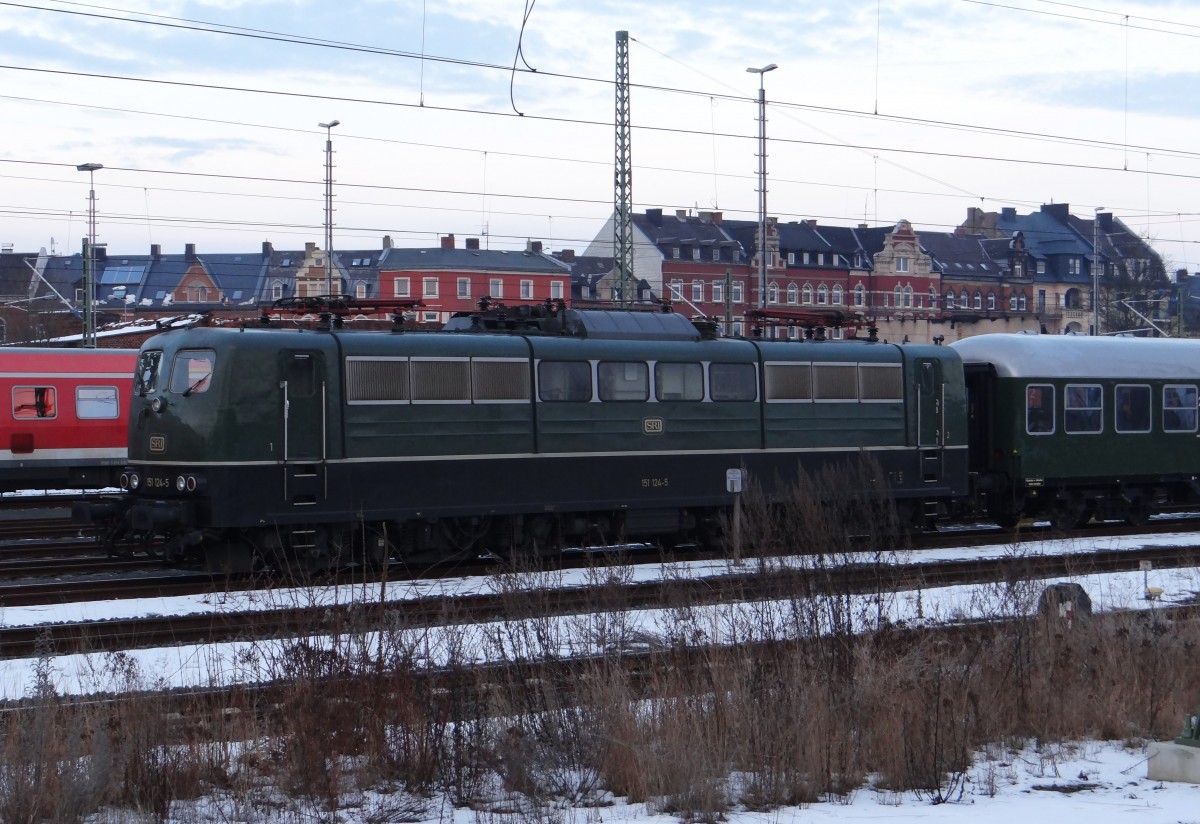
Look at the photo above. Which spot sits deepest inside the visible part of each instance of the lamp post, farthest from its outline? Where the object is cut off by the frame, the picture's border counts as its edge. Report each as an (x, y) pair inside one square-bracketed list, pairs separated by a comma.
[(89, 258), (1096, 271), (762, 183), (329, 203)]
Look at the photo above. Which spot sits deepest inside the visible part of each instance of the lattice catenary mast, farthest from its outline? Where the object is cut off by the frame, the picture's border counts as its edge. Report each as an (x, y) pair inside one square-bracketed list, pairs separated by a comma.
[(623, 181)]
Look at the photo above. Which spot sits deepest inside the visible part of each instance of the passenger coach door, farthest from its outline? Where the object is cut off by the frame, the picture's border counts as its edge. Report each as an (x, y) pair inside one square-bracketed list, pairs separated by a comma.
[(930, 418), (302, 397)]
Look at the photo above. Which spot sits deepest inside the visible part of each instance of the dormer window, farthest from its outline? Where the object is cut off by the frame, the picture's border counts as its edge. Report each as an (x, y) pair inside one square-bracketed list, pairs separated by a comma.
[(675, 252)]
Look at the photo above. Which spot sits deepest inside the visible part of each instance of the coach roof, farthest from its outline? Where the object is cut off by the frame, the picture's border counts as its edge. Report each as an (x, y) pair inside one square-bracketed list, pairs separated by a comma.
[(1075, 356)]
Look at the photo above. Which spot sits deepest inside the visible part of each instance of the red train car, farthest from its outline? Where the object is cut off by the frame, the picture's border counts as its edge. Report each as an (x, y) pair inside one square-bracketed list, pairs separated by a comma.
[(66, 424)]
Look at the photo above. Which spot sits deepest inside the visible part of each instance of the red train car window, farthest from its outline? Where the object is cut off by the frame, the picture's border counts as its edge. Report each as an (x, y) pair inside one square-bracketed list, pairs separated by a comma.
[(34, 402)]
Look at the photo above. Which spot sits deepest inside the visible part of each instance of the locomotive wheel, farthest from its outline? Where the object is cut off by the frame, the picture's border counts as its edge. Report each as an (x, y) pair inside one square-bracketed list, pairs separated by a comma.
[(1137, 514), (1069, 514)]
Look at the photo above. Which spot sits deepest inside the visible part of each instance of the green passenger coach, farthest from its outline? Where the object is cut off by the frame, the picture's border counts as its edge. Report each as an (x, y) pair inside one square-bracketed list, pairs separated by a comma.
[(1069, 428)]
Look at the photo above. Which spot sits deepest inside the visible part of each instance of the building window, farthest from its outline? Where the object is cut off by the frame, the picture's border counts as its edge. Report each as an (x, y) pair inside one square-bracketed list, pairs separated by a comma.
[(718, 291), (791, 258), (464, 287), (822, 295), (773, 293), (820, 258), (964, 300), (556, 291), (908, 297), (695, 253), (276, 290), (808, 295), (527, 290), (1018, 269), (860, 295), (991, 301), (978, 300), (677, 290), (1021, 303), (495, 288), (197, 293), (675, 252), (360, 290), (896, 296), (697, 291), (793, 294), (1041, 267), (716, 253), (429, 287), (901, 264), (400, 288), (738, 293), (949, 298), (805, 258), (1012, 303), (837, 295), (1073, 267)]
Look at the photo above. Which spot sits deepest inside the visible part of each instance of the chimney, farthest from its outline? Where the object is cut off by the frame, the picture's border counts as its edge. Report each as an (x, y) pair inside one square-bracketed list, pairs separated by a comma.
[(309, 248), (1009, 213), (718, 217), (472, 243), (101, 253), (267, 248), (155, 251), (387, 241), (705, 217), (654, 216), (448, 241), (1106, 221), (535, 247), (1181, 275), (1061, 211), (681, 214), (567, 255), (189, 250)]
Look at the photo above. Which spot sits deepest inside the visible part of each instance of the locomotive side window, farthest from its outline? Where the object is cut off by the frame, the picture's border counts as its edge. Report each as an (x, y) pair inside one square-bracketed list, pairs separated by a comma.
[(565, 381), (301, 376), (882, 383), (96, 403), (1132, 407), (626, 381), (500, 380), (678, 382), (34, 402), (441, 380), (835, 382), (192, 371), (376, 380), (1083, 409), (145, 379), (1039, 409), (732, 382), (1179, 408), (789, 381)]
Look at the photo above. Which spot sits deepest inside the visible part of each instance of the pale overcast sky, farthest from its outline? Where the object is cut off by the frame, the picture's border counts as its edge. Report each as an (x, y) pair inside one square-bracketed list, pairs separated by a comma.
[(879, 110)]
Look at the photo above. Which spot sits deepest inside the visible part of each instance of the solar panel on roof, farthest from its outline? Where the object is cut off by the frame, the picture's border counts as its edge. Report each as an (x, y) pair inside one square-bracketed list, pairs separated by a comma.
[(116, 275)]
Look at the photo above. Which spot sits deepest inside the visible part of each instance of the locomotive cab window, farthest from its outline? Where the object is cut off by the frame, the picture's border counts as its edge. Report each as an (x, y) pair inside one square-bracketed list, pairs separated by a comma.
[(1179, 408), (679, 381), (31, 402), (145, 378), (565, 381), (96, 403), (191, 373), (1132, 407), (1083, 409), (625, 381), (1039, 409), (732, 382)]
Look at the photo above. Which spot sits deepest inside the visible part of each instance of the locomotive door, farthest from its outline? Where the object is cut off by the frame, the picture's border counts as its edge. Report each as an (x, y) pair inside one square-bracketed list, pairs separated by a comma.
[(302, 397), (930, 418)]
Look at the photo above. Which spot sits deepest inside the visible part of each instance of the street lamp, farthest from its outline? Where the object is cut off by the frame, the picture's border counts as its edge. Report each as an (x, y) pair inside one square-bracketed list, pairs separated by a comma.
[(1096, 272), (89, 258), (329, 204), (762, 184)]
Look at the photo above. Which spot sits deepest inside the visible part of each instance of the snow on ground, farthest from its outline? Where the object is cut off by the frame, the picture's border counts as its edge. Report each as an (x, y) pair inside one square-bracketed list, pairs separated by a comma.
[(249, 662), (1093, 782)]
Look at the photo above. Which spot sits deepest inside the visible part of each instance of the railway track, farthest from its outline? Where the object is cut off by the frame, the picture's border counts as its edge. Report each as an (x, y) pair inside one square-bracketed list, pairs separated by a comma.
[(216, 626)]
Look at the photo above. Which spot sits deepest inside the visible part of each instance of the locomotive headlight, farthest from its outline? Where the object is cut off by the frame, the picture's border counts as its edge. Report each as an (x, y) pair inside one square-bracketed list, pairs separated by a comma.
[(180, 484), (124, 480), (134, 480), (157, 404)]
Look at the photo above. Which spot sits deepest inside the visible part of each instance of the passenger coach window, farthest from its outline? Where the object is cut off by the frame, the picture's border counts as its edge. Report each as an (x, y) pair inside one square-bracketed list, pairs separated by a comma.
[(96, 402), (732, 382), (1039, 409), (628, 381), (565, 381), (1083, 410), (1132, 409), (192, 371), (34, 402), (1179, 408), (678, 382)]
